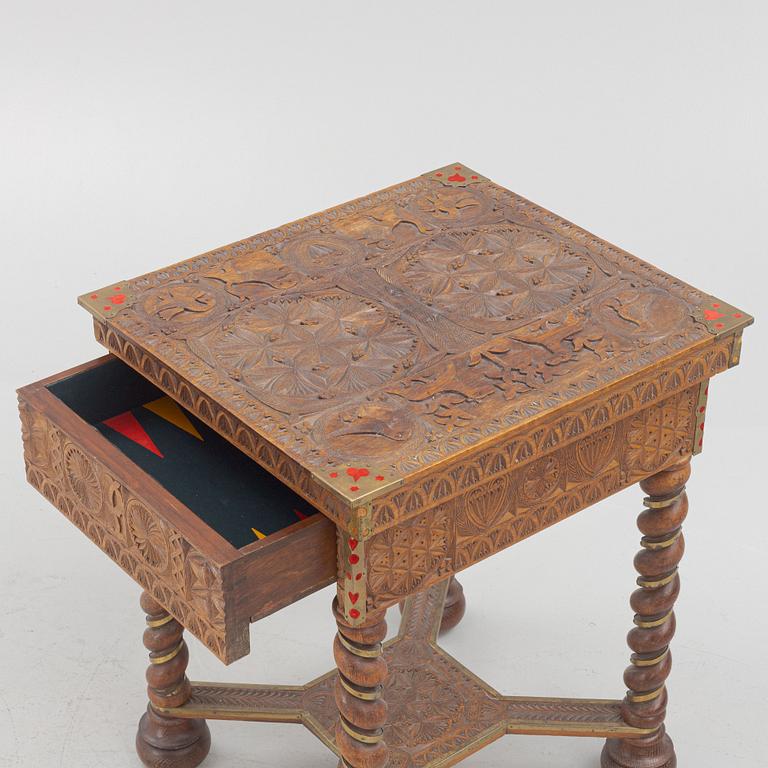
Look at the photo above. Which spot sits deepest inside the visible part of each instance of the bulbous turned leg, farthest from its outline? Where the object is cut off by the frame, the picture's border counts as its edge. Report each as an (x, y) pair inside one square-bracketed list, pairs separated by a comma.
[(359, 693), (454, 607), (659, 584), (162, 741)]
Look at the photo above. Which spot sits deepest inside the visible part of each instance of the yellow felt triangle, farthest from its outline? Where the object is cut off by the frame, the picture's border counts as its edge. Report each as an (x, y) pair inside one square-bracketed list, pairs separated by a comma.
[(259, 534), (169, 409)]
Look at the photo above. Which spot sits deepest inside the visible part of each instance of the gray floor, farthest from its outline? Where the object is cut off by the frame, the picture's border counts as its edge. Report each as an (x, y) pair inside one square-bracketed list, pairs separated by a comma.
[(134, 135)]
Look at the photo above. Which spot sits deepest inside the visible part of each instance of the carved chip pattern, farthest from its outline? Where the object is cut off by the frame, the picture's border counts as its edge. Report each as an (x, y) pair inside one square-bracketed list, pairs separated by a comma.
[(119, 523), (518, 502), (402, 557), (436, 707), (480, 260), (560, 430), (523, 447)]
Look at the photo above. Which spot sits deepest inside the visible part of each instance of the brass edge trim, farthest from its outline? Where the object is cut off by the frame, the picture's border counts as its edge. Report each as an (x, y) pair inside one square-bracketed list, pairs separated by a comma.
[(106, 303), (658, 582), (650, 662), (654, 545), (735, 350), (352, 586), (168, 656), (154, 623), (700, 416), (568, 728), (355, 499), (455, 175), (652, 503), (358, 736), (654, 622), (365, 653), (639, 698), (244, 715), (721, 318), (365, 696)]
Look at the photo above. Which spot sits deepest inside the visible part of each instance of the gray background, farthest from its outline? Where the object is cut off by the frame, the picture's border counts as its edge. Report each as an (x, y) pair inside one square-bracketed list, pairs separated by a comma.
[(136, 134)]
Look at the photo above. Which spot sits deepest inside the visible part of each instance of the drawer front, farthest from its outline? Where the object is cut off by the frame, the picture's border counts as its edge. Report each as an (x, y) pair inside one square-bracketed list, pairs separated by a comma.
[(198, 576)]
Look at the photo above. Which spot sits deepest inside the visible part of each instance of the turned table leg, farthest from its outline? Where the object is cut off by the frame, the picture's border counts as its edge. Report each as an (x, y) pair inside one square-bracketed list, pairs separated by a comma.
[(646, 700), (162, 741), (359, 693), (454, 607)]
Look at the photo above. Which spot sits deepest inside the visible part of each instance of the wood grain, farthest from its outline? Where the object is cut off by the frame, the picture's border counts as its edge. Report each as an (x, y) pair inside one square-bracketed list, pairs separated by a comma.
[(213, 589), (403, 330)]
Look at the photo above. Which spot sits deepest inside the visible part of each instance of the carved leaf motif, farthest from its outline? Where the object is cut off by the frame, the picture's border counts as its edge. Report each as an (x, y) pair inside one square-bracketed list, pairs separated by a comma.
[(318, 252), (595, 451), (483, 507), (458, 206)]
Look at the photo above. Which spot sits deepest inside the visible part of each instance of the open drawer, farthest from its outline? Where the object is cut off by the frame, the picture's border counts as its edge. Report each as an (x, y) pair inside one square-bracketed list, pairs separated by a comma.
[(217, 540)]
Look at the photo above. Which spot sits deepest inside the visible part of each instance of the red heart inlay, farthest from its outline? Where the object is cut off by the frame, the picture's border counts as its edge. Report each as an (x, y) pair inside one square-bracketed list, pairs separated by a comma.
[(354, 559), (354, 488), (357, 472), (353, 544), (354, 613), (333, 474), (379, 477), (94, 295), (353, 596), (117, 298), (456, 177), (711, 314), (349, 575), (359, 576)]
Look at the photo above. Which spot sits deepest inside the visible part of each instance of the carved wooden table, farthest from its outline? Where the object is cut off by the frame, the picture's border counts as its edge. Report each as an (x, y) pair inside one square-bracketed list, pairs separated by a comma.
[(441, 369)]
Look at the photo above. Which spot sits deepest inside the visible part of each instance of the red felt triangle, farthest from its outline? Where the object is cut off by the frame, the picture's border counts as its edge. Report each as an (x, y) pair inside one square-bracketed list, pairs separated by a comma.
[(128, 426)]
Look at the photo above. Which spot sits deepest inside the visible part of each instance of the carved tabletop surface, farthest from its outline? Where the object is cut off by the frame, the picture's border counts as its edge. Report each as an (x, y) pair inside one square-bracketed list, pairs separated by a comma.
[(368, 344)]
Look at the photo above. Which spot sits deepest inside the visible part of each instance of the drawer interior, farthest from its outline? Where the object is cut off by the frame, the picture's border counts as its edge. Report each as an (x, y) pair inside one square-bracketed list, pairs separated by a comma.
[(241, 501)]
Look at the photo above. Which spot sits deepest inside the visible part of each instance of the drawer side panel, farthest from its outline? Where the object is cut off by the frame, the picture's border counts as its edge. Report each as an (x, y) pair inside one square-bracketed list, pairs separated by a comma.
[(155, 554)]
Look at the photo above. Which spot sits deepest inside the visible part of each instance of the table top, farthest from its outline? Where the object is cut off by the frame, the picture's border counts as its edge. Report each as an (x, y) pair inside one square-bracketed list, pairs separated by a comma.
[(375, 341)]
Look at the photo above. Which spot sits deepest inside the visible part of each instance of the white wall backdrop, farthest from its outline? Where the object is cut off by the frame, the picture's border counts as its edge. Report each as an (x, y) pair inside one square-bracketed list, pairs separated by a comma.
[(136, 134)]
